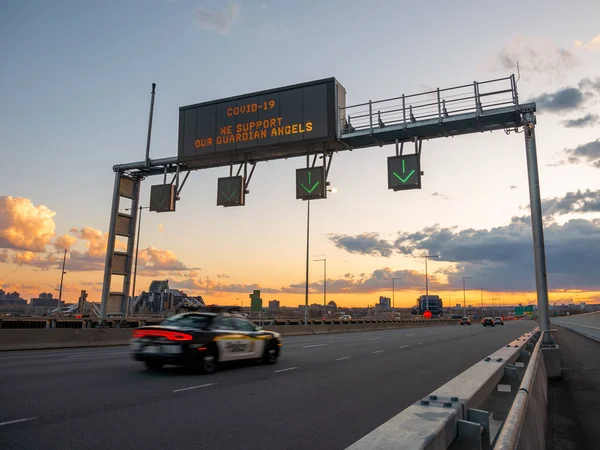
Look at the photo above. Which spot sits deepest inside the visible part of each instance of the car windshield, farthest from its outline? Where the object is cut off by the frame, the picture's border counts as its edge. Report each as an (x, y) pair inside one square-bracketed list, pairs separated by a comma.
[(186, 321)]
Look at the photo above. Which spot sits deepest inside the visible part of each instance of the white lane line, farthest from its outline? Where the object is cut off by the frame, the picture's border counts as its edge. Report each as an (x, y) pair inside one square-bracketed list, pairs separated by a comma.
[(410, 334), (314, 345), (193, 387), (435, 340), (96, 354), (431, 332), (374, 339), (284, 370), (377, 351), (342, 358), (403, 346), (420, 343), (443, 339), (10, 422)]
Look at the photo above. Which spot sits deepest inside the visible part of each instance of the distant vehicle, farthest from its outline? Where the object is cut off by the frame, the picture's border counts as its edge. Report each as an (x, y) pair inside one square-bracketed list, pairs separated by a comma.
[(465, 321), (498, 321), (488, 321), (346, 317), (203, 340)]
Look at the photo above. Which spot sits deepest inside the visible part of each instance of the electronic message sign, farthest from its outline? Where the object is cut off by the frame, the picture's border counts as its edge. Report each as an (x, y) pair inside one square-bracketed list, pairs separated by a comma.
[(284, 122), (404, 172)]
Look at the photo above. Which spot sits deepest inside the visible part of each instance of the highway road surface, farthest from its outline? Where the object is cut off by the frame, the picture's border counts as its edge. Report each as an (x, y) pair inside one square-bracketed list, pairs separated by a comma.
[(326, 392)]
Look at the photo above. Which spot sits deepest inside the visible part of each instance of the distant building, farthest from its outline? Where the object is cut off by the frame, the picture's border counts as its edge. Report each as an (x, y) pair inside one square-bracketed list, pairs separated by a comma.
[(11, 299), (274, 305), (434, 302), (45, 300), (385, 303)]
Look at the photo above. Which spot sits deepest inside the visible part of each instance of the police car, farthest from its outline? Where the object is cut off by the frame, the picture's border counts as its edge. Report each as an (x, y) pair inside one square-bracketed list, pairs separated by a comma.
[(202, 340)]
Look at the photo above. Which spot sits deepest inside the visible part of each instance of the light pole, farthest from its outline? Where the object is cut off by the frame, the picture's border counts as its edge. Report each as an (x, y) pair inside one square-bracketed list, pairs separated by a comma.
[(481, 289), (324, 285), (62, 275), (137, 250), (426, 278), (394, 289), (465, 296), (308, 256)]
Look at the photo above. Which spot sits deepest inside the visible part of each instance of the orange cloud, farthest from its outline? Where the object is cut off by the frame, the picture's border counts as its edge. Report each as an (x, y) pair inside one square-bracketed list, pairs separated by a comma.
[(32, 259), (24, 226), (64, 242), (93, 257), (154, 259), (4, 256)]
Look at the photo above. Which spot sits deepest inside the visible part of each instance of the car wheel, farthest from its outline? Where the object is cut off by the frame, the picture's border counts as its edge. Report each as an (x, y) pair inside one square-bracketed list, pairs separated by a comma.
[(208, 362), (271, 353), (154, 365)]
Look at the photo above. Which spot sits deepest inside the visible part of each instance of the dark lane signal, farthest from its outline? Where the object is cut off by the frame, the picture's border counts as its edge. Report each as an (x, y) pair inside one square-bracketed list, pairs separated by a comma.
[(231, 191), (404, 172)]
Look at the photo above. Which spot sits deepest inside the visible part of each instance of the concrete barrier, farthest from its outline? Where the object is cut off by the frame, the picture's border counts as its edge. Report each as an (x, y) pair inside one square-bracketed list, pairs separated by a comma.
[(585, 324), (37, 339)]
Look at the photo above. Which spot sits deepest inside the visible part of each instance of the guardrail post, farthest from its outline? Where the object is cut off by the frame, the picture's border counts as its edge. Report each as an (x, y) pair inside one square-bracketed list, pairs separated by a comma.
[(504, 394)]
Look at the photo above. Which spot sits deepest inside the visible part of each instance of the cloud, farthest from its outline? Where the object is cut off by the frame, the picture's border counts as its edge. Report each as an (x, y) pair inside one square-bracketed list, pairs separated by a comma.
[(589, 152), (581, 122), (207, 286), (64, 242), (365, 244), (568, 98), (572, 202), (440, 195), (534, 55), (501, 258), (4, 256), (592, 44), (28, 258), (24, 226), (93, 257), (512, 187), (152, 260), (219, 21), (377, 281)]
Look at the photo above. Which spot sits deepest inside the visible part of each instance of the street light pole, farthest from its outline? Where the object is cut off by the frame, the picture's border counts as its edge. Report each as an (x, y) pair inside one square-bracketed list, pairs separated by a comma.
[(394, 289), (427, 279), (137, 250), (62, 275), (307, 261), (481, 289), (324, 260), (465, 296)]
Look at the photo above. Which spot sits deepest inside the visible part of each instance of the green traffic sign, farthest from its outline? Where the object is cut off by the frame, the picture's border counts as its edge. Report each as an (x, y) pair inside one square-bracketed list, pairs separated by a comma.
[(162, 198), (519, 310), (311, 183), (231, 191), (404, 172)]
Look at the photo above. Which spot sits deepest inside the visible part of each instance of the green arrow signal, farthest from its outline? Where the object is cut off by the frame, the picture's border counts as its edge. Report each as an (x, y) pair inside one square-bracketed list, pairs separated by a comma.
[(229, 197), (310, 190), (404, 180)]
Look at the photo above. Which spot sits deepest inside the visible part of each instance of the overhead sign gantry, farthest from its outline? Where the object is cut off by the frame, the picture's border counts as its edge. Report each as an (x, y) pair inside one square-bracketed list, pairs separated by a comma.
[(312, 119)]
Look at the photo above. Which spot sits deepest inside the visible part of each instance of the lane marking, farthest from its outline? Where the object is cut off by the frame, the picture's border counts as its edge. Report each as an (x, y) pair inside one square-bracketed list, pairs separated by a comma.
[(435, 340), (314, 345), (443, 339), (194, 387), (342, 358), (284, 370), (403, 346), (373, 339), (410, 334), (431, 332), (10, 422), (97, 354), (420, 343), (377, 351)]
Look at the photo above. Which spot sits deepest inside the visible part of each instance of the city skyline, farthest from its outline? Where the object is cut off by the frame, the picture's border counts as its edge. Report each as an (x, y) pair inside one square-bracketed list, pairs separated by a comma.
[(90, 112)]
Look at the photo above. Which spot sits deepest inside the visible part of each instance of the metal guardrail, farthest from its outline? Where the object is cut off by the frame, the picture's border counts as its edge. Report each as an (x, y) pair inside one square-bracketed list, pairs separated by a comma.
[(585, 324), (438, 104), (525, 425), (465, 413)]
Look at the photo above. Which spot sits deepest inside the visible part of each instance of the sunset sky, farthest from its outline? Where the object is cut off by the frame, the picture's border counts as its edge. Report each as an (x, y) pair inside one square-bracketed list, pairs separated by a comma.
[(75, 91)]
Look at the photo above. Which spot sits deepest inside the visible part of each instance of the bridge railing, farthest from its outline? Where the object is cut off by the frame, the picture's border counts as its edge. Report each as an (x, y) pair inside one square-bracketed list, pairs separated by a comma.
[(437, 104), (585, 324), (465, 413)]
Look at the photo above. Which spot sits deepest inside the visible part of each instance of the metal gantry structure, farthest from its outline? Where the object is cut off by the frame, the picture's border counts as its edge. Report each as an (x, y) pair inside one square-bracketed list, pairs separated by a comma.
[(471, 108)]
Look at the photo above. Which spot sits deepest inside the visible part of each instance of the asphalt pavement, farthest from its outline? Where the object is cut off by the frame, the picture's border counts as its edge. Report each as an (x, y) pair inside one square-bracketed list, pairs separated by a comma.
[(325, 392)]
